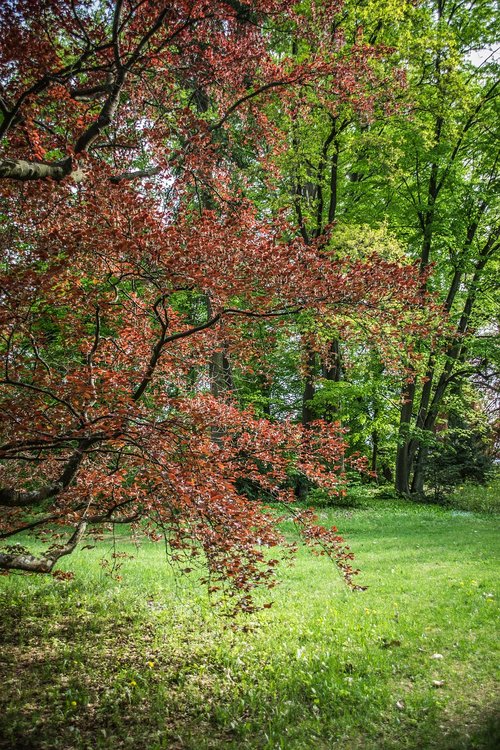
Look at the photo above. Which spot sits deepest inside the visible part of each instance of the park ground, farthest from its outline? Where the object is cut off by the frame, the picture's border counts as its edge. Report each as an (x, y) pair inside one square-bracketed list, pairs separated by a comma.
[(144, 662)]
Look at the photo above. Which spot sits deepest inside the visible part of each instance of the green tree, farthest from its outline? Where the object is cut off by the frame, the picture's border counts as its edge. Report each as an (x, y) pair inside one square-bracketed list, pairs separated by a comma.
[(444, 204)]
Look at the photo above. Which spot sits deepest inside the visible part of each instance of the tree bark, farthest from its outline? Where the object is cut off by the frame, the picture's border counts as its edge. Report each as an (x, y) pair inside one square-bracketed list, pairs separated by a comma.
[(375, 447)]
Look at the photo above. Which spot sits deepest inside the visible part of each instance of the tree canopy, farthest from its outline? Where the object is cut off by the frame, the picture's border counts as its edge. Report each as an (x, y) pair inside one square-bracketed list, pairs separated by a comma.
[(231, 231)]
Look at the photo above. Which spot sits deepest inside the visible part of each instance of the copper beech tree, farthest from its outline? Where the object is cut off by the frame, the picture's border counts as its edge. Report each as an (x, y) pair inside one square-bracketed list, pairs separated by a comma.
[(131, 253)]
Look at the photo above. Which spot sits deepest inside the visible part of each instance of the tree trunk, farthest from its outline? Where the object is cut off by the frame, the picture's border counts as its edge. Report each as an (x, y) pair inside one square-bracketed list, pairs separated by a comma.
[(375, 447), (221, 377), (333, 369), (403, 462), (419, 471), (309, 388)]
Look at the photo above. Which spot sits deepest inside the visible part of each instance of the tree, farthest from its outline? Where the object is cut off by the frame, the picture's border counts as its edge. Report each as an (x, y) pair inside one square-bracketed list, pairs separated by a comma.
[(131, 253), (322, 182), (450, 184), (426, 168)]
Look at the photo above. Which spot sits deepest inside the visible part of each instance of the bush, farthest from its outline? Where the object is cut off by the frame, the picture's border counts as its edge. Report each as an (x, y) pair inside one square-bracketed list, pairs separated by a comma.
[(477, 498), (319, 498), (462, 456)]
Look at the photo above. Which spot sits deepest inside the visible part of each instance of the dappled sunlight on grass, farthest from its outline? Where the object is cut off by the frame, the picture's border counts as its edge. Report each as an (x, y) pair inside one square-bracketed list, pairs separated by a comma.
[(144, 661)]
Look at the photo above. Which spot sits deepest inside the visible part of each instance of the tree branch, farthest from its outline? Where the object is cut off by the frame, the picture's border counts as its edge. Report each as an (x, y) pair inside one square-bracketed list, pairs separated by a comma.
[(12, 498), (135, 175), (25, 561), (20, 169)]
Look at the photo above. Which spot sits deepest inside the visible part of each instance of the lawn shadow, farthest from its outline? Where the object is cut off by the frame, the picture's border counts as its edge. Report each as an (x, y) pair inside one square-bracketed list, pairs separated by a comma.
[(481, 732), (98, 680)]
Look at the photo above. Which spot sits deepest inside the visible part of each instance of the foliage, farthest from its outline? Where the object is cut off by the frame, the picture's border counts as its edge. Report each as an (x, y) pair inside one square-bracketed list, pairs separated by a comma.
[(418, 172), (472, 497), (460, 456), (218, 220), (136, 259)]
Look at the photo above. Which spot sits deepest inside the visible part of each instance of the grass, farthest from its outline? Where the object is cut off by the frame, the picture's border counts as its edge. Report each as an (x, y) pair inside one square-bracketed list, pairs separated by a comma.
[(145, 663)]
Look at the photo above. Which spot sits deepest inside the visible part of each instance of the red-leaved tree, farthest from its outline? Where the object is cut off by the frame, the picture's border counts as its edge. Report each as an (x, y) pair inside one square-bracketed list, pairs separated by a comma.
[(131, 253)]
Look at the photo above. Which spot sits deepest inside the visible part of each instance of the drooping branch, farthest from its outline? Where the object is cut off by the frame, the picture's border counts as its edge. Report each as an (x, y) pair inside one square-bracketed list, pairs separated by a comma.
[(43, 521), (21, 560), (164, 339), (45, 391), (13, 498), (237, 104), (108, 517)]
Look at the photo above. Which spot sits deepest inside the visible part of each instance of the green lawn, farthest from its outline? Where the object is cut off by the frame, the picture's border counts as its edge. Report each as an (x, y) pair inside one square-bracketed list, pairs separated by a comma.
[(145, 663)]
